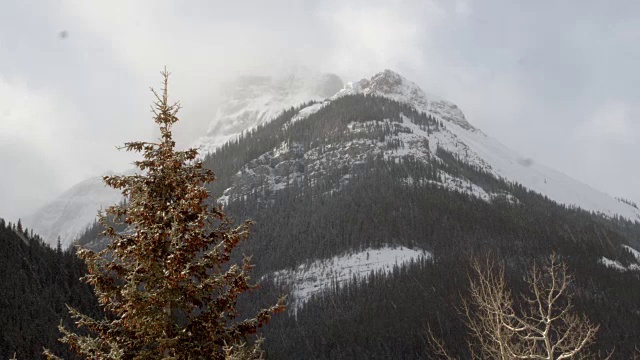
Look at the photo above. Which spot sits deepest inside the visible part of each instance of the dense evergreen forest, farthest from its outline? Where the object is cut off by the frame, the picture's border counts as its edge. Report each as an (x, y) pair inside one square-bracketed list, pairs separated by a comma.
[(393, 312), (333, 206), (35, 284)]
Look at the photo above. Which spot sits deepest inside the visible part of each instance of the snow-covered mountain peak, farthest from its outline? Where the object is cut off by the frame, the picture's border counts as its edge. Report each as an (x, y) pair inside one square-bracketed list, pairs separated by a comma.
[(254, 100), (458, 137), (392, 85)]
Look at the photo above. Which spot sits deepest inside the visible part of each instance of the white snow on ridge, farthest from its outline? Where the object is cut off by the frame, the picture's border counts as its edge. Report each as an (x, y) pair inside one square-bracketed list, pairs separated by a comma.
[(464, 186), (616, 265), (559, 187), (479, 149), (633, 252), (393, 86), (613, 264), (312, 278), (308, 111)]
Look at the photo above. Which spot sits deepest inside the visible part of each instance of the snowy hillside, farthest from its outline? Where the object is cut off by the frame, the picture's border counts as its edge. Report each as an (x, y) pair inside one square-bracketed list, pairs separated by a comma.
[(614, 264), (72, 211), (288, 163), (313, 278), (477, 148), (254, 100)]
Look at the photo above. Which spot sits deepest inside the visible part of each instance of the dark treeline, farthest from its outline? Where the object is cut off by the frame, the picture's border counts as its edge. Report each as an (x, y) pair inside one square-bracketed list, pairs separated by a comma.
[(35, 284)]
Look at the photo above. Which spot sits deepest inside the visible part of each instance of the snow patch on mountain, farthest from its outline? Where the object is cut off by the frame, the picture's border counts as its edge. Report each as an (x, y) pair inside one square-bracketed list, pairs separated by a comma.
[(307, 111), (312, 278), (506, 163), (634, 252), (617, 265), (464, 186), (613, 264)]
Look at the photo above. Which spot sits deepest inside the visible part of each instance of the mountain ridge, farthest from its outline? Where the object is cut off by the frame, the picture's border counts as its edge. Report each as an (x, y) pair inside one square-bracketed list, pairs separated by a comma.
[(458, 136)]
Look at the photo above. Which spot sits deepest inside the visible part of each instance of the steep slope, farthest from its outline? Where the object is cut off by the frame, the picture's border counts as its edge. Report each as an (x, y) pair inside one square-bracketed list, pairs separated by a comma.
[(393, 86), (420, 140), (480, 149), (69, 215)]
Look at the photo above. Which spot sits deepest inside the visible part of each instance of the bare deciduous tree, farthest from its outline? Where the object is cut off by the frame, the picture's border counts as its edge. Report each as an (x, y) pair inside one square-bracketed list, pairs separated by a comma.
[(545, 328)]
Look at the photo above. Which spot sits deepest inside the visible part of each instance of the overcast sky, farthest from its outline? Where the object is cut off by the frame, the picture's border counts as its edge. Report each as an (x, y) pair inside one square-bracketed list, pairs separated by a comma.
[(557, 81)]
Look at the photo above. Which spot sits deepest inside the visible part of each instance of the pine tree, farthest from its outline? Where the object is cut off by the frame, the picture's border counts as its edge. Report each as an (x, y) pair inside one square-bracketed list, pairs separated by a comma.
[(166, 282), (59, 245)]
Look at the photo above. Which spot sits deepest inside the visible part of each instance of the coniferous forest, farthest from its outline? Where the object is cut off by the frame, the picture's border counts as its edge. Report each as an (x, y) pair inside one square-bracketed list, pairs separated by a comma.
[(35, 284)]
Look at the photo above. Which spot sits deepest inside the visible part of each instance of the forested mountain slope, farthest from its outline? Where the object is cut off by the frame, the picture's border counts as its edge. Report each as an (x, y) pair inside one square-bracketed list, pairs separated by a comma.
[(35, 284)]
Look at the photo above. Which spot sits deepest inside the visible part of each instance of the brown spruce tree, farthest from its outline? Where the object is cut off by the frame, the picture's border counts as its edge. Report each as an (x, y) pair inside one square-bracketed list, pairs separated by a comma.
[(166, 283)]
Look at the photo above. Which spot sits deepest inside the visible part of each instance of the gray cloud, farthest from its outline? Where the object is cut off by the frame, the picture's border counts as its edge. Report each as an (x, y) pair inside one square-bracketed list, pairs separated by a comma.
[(556, 81)]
